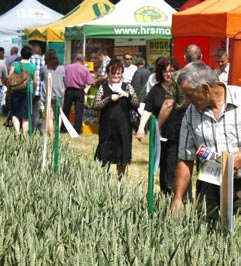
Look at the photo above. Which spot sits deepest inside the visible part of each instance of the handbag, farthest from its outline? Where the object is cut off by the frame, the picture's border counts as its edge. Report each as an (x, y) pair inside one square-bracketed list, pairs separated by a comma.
[(135, 119), (135, 116), (18, 82)]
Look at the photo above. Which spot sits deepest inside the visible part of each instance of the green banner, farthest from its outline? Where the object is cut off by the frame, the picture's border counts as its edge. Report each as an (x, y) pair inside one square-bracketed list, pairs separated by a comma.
[(116, 31)]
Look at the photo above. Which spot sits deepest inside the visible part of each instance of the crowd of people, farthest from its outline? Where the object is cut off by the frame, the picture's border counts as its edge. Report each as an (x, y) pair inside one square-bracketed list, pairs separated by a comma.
[(192, 106)]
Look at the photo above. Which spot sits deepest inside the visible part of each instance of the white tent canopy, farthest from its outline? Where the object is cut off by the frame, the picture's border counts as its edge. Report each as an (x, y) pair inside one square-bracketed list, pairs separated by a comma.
[(26, 14)]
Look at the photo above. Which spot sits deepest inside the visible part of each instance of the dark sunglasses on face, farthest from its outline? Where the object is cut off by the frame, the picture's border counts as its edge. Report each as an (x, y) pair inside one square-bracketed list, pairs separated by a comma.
[(128, 59)]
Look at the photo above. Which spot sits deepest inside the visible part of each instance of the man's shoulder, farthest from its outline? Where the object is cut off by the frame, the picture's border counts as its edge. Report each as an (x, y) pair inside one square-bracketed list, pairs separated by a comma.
[(176, 74)]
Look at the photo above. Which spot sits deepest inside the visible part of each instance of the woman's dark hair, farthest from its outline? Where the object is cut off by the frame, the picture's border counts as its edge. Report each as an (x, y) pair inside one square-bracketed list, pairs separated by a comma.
[(161, 65), (26, 52), (114, 65), (51, 59)]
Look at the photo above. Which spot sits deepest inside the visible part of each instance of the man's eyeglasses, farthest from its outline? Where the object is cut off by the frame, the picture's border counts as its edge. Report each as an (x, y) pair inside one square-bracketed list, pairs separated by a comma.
[(127, 59)]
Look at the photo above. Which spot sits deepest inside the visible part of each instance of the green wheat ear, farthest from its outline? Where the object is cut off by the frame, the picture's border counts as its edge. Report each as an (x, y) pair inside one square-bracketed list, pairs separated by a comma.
[(82, 216)]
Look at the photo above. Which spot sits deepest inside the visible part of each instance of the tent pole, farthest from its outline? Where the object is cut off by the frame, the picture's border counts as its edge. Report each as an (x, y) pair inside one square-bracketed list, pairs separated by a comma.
[(227, 46), (84, 46)]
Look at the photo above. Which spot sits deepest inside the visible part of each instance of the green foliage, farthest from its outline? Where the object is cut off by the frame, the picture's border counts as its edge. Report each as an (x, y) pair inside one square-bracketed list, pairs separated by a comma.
[(83, 216)]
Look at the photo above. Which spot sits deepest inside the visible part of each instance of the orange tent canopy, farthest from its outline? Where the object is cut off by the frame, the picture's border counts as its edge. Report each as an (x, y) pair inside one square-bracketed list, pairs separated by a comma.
[(211, 18)]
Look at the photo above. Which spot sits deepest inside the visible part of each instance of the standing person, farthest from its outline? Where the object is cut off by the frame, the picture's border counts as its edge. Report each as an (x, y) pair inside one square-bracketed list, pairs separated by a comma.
[(140, 78), (19, 99), (94, 59), (152, 78), (114, 100), (77, 77), (222, 71), (165, 67), (213, 119), (104, 60), (3, 79), (13, 57), (175, 98), (129, 68), (54, 67), (38, 60)]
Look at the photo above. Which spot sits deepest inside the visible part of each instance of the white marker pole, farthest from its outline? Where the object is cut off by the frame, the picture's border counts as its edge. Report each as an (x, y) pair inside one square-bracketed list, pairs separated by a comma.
[(48, 106)]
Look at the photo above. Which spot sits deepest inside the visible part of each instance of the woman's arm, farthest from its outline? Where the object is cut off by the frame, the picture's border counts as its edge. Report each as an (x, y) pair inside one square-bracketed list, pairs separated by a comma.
[(100, 103)]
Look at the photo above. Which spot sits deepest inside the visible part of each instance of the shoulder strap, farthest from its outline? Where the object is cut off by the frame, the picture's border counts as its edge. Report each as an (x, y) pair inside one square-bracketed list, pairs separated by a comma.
[(21, 66)]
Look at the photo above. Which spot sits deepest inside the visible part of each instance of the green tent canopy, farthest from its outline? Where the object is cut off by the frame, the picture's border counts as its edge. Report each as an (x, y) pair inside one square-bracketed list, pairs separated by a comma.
[(140, 19)]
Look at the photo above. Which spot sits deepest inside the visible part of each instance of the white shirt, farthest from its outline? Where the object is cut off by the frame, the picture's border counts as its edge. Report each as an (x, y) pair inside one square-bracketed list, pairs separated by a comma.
[(222, 75), (128, 73), (151, 82)]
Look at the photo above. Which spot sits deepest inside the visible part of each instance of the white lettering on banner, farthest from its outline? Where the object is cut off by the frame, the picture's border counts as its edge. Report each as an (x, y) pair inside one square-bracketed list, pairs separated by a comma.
[(142, 31)]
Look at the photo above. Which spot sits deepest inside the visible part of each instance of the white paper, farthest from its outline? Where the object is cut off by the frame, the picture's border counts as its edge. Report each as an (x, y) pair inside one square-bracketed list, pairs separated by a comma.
[(72, 132), (210, 171)]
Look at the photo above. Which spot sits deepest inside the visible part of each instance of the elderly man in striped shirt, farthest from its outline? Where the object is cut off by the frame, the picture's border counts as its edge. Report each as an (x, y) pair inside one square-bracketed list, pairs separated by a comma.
[(213, 118)]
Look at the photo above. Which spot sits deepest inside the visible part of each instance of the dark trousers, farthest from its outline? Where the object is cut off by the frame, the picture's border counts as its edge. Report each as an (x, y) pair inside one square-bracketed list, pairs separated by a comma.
[(76, 96), (36, 109), (211, 193), (168, 164)]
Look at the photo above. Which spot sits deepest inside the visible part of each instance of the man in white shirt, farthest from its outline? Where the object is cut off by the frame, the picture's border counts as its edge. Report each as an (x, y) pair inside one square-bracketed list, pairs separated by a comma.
[(129, 68), (222, 70)]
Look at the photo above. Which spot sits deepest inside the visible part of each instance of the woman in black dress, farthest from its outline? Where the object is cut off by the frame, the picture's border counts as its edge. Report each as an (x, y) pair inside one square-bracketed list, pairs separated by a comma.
[(114, 99)]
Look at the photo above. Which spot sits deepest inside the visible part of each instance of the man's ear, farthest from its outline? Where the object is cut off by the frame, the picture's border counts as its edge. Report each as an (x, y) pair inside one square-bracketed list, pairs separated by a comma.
[(205, 88)]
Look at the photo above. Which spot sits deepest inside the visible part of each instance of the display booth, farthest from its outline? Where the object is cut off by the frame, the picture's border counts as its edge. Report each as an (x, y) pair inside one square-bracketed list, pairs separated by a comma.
[(26, 14), (140, 27), (130, 20), (210, 24), (53, 33)]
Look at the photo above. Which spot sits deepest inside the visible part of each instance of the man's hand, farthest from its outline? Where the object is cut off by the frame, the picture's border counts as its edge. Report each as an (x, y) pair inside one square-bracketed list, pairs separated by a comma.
[(237, 161), (177, 205)]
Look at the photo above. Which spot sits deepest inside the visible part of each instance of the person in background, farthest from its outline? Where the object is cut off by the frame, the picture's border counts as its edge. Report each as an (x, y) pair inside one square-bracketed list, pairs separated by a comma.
[(3, 79), (114, 100), (94, 59), (140, 78), (13, 57), (19, 99), (77, 77), (38, 60), (2, 54), (152, 78), (101, 74), (53, 66), (129, 68), (175, 98), (165, 67), (213, 119), (222, 71)]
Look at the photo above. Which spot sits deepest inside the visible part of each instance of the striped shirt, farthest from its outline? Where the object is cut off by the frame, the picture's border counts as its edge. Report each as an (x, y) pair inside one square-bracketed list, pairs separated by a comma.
[(218, 134), (39, 62)]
